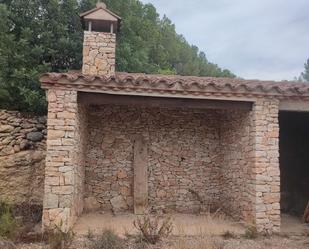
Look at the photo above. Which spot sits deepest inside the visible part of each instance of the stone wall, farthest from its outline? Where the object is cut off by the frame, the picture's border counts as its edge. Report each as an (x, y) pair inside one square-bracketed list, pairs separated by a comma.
[(237, 193), (183, 146), (99, 53), (22, 157), (230, 158), (250, 186)]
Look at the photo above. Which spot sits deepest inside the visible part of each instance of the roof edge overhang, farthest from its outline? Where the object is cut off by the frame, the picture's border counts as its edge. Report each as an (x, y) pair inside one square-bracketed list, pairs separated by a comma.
[(176, 86)]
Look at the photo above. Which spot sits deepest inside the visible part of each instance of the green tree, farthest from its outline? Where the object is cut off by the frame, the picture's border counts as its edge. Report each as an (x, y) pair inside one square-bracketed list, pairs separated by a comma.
[(305, 74), (35, 37), (38, 36)]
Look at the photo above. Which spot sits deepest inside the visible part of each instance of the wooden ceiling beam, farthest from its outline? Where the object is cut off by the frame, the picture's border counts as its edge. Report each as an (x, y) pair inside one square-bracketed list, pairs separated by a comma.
[(161, 102)]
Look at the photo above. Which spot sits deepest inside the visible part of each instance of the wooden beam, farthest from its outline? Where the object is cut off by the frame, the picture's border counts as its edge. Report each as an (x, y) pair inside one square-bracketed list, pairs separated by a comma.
[(110, 99), (140, 164), (294, 105)]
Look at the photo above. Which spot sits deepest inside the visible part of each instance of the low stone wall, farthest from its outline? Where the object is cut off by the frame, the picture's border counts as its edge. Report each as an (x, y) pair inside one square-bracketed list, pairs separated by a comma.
[(22, 157)]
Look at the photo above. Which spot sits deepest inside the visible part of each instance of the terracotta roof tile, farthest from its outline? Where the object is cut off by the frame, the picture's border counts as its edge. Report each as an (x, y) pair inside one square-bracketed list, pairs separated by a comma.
[(175, 83)]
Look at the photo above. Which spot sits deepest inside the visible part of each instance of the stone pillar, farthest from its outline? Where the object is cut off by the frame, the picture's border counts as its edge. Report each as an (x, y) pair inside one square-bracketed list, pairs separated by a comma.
[(99, 53), (266, 172), (140, 176), (64, 170)]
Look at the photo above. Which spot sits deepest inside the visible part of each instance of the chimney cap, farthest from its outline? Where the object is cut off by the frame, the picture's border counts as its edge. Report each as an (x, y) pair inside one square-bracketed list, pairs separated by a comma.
[(101, 5), (100, 18)]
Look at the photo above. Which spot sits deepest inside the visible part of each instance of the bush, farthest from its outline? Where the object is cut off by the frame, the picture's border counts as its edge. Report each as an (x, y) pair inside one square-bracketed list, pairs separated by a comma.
[(58, 239), (251, 232), (154, 229), (8, 224), (229, 235), (107, 240), (31, 213)]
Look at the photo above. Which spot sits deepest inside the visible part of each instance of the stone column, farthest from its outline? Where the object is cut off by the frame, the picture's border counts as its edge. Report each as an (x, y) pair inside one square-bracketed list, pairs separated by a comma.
[(99, 53), (266, 172), (64, 170)]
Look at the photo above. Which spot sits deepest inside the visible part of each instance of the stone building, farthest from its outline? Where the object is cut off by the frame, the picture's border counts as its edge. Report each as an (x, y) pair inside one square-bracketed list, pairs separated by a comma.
[(140, 143)]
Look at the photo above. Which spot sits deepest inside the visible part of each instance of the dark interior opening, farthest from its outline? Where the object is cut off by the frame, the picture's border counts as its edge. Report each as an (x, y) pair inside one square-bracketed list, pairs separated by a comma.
[(294, 161)]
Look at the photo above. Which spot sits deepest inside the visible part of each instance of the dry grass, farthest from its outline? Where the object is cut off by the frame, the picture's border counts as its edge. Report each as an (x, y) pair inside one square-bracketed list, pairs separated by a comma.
[(210, 224), (58, 239), (213, 224), (199, 242)]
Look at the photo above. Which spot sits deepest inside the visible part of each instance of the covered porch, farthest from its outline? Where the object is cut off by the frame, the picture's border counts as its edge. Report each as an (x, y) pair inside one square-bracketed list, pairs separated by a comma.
[(132, 154), (139, 144)]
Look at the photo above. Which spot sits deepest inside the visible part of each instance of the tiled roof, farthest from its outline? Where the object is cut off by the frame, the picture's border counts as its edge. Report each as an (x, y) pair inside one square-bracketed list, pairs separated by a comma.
[(134, 82)]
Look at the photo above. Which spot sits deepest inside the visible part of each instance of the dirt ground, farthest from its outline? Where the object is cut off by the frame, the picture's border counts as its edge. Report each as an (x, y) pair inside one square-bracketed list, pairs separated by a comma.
[(197, 242), (184, 224), (190, 232)]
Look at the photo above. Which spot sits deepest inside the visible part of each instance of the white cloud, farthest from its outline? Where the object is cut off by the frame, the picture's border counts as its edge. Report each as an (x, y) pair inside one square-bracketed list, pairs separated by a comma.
[(266, 39)]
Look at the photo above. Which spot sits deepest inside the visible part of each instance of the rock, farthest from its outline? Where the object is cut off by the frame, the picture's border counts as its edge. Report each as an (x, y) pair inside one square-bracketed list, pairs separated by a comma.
[(6, 128), (91, 204), (16, 148), (125, 191), (5, 244), (121, 174), (118, 204), (161, 193), (38, 228), (35, 136), (24, 145), (42, 120), (40, 127), (38, 156)]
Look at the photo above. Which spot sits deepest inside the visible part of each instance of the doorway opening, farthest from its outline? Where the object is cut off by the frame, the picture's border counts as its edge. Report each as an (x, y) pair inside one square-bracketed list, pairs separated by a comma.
[(294, 165)]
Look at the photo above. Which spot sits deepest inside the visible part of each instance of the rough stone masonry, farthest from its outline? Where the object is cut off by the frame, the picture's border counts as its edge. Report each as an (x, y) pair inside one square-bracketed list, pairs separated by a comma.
[(64, 172), (99, 53), (22, 157)]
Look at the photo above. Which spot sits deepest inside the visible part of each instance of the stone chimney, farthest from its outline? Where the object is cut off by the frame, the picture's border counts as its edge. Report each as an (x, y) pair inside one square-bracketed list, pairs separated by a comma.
[(101, 26)]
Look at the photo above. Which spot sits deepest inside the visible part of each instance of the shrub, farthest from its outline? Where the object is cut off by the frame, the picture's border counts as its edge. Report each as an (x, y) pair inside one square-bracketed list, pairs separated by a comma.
[(229, 235), (58, 239), (8, 224), (90, 234), (251, 232), (154, 229), (107, 240), (31, 213)]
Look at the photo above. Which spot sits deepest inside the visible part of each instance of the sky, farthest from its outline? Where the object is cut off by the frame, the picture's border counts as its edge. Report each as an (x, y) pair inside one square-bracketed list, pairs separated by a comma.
[(255, 39)]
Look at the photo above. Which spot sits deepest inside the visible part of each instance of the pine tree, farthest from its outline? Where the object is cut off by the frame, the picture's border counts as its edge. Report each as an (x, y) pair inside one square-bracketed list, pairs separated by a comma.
[(39, 36), (305, 74)]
